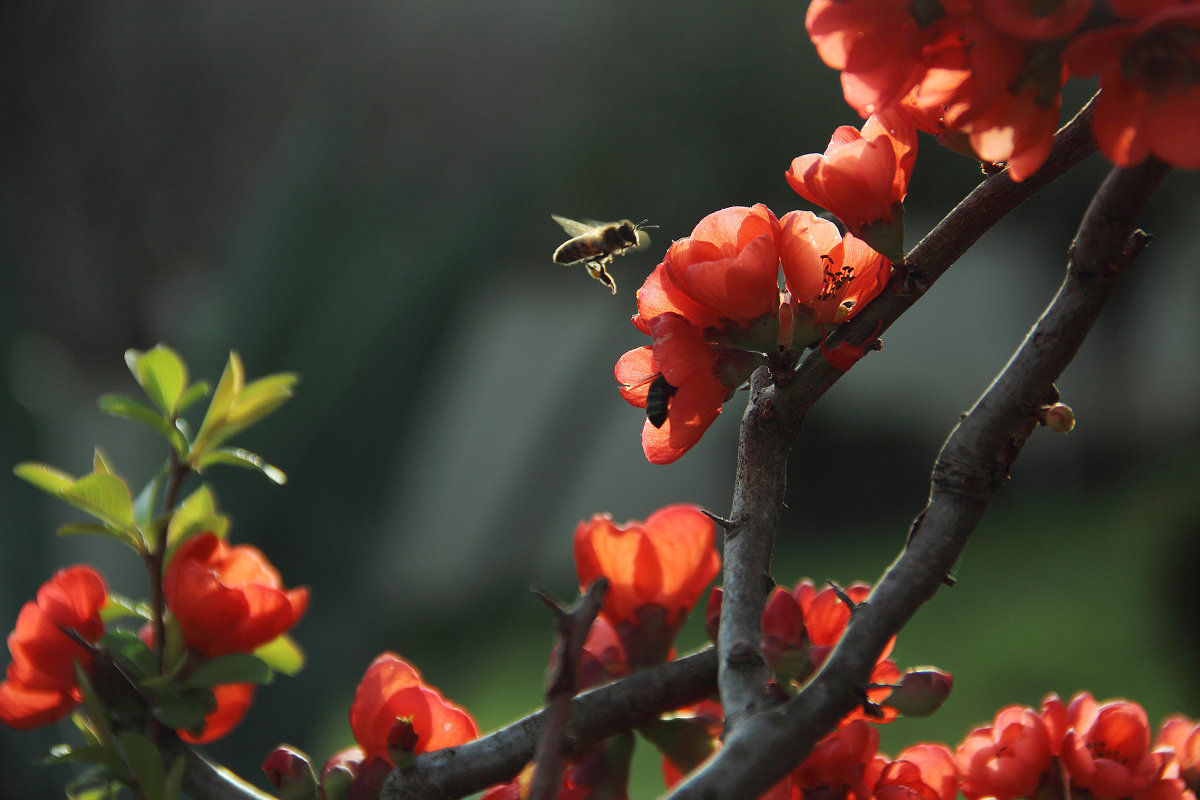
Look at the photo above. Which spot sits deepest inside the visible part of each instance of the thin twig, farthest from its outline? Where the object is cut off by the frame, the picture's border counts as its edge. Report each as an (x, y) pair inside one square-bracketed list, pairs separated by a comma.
[(562, 685), (973, 463)]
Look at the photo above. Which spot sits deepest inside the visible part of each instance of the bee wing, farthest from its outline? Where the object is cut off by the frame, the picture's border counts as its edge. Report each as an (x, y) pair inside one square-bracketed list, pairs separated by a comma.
[(573, 227)]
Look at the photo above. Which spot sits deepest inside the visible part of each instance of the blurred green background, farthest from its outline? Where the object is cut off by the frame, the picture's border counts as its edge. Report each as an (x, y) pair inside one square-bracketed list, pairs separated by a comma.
[(361, 193)]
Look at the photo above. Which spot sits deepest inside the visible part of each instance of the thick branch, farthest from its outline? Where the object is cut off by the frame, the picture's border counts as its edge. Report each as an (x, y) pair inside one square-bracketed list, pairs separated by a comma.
[(775, 413), (595, 715), (973, 462)]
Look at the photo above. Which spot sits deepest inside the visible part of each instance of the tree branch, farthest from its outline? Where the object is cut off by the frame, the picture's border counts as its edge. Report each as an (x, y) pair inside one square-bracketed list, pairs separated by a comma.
[(595, 715), (973, 462), (775, 414)]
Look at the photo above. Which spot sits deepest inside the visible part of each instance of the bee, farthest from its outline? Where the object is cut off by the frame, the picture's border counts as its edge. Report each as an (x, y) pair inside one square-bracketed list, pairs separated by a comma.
[(595, 244), (658, 398)]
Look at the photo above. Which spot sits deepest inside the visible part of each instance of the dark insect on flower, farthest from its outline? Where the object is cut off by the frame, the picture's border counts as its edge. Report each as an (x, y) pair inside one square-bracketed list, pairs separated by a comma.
[(658, 398), (596, 243)]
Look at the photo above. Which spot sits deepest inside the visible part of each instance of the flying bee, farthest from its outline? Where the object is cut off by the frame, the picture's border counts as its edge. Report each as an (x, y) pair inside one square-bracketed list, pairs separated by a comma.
[(595, 244)]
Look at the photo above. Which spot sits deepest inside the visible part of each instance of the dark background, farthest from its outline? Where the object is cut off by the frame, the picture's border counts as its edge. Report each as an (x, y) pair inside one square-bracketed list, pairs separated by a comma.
[(361, 194)]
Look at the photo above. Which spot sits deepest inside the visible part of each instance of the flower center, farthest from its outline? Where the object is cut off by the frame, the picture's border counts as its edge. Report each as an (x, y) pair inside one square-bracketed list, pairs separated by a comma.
[(1164, 60)]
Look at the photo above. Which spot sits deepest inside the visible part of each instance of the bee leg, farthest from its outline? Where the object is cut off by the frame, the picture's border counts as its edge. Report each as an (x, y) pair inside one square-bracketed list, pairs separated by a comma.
[(596, 270)]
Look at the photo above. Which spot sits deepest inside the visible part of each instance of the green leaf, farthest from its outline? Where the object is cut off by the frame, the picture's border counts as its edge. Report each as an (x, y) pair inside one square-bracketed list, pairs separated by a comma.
[(192, 394), (185, 710), (90, 754), (260, 398), (196, 514), (120, 606), (237, 457), (45, 477), (282, 655), (173, 783), (162, 375), (145, 504), (121, 405), (131, 652), (232, 668), (145, 762), (228, 388), (96, 529), (100, 463), (105, 497), (94, 709)]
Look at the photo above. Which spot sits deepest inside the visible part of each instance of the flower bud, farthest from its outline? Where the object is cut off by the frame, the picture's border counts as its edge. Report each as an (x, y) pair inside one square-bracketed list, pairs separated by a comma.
[(290, 772), (402, 742), (1058, 417), (921, 692)]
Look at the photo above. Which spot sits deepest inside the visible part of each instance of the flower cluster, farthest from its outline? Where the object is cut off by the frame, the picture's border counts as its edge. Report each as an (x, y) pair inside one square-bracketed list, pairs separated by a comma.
[(986, 76), (715, 311), (801, 626), (1101, 750), (223, 599)]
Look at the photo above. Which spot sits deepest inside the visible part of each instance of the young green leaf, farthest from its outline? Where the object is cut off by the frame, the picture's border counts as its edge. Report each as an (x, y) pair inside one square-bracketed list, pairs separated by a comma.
[(145, 762), (119, 606), (237, 457), (97, 529), (121, 405), (173, 783), (131, 653), (145, 504), (191, 394), (232, 668), (184, 710), (162, 375), (100, 463), (94, 709), (282, 655), (105, 497), (89, 754), (45, 477), (228, 388), (196, 514)]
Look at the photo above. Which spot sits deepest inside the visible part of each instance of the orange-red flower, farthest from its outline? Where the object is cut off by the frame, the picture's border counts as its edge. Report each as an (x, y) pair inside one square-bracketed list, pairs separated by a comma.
[(726, 273), (656, 570), (1107, 749), (228, 599), (695, 389), (843, 763), (40, 687), (863, 176), (1149, 102), (1182, 736), (392, 691), (920, 772), (832, 276), (233, 700), (1006, 759)]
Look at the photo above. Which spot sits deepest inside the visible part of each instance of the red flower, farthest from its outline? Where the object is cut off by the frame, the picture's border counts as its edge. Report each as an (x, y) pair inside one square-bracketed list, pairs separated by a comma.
[(831, 275), (863, 177), (694, 392), (603, 656), (1149, 101), (1007, 759), (1182, 736), (392, 691), (233, 700), (1107, 749), (875, 44), (228, 599), (921, 772), (841, 764), (1035, 19), (726, 271), (656, 572), (40, 687)]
